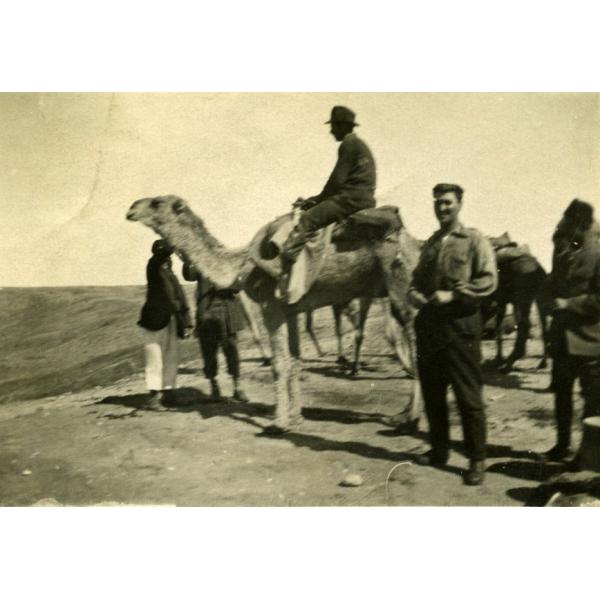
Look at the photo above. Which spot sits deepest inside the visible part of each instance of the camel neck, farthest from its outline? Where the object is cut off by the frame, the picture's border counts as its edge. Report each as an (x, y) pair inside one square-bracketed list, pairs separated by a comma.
[(217, 263)]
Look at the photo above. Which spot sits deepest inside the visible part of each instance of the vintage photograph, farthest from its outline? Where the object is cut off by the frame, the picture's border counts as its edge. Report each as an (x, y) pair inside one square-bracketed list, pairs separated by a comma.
[(300, 299)]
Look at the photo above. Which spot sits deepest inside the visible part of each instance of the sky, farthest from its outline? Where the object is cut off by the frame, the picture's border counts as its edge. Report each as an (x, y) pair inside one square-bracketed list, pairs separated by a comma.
[(72, 164)]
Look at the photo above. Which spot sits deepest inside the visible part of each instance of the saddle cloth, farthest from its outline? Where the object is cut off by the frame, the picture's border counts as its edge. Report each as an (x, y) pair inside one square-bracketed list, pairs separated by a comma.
[(362, 226)]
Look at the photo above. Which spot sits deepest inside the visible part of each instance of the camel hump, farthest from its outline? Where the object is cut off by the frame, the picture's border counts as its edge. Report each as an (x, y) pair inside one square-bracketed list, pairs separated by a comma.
[(369, 224)]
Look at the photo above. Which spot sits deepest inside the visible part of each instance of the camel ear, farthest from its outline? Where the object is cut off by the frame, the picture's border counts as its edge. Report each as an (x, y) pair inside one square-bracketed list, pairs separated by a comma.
[(177, 207)]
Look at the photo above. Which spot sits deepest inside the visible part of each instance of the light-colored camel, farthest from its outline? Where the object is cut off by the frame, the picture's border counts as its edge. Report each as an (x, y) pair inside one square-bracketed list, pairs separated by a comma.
[(361, 269)]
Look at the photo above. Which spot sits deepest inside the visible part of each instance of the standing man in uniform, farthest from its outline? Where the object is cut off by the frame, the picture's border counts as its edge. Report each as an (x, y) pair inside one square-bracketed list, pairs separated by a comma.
[(575, 331), (456, 269), (350, 187)]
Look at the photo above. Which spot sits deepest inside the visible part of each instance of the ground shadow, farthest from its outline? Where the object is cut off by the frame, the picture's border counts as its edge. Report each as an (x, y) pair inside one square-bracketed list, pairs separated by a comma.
[(495, 378), (543, 415), (344, 416), (320, 444), (338, 372), (528, 470), (189, 371), (524, 494), (262, 362)]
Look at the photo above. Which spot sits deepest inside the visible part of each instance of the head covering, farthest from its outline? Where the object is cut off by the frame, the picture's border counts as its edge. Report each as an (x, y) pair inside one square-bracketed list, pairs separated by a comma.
[(341, 114), (162, 248)]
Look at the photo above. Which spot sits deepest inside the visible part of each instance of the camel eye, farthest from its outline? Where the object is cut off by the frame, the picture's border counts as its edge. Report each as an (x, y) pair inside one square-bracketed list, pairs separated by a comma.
[(155, 203), (177, 207)]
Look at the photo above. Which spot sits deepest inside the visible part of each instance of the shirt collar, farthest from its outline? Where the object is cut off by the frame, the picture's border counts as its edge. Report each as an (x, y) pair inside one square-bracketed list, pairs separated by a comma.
[(460, 231)]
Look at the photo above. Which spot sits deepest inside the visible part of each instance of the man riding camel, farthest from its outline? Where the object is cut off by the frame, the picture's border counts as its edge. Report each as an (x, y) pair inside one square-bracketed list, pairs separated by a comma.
[(350, 188)]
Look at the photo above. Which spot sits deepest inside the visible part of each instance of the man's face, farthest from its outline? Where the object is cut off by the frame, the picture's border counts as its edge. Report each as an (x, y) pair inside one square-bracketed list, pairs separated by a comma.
[(339, 130), (447, 208)]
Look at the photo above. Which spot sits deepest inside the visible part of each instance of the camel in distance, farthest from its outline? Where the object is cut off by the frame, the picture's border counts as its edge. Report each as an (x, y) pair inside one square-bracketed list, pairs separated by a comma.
[(355, 267), (522, 283)]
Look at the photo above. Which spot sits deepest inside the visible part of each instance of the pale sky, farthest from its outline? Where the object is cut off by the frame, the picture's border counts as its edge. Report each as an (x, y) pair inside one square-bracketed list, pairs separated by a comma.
[(73, 163)]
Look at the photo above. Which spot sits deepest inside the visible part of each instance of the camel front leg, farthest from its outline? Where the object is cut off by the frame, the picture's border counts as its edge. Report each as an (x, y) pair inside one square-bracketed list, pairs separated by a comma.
[(407, 422), (544, 326), (255, 329), (311, 333), (275, 323), (500, 314), (337, 321), (295, 368)]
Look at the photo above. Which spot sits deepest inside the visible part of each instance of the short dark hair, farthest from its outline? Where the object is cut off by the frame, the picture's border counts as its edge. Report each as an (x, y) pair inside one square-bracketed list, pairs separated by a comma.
[(443, 188)]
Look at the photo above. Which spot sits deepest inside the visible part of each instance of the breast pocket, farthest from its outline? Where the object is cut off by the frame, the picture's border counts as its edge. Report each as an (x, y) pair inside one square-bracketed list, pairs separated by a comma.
[(458, 268)]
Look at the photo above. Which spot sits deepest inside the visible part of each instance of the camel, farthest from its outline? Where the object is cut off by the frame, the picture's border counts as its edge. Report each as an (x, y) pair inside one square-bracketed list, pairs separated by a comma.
[(351, 269), (521, 282)]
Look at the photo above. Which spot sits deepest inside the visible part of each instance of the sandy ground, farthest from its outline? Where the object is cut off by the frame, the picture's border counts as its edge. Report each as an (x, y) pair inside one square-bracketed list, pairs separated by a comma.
[(101, 447)]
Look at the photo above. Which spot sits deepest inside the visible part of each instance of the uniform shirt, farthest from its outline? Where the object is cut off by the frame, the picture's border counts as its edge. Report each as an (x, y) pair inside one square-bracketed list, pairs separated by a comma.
[(576, 277), (462, 261), (353, 171)]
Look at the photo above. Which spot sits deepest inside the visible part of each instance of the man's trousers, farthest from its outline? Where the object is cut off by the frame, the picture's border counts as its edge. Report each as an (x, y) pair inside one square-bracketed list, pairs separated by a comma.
[(458, 365), (331, 210), (161, 350), (566, 368), (209, 346)]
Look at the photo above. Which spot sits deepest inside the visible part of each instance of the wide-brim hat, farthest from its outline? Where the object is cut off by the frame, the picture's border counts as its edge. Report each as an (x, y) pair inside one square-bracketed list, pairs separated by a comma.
[(341, 114)]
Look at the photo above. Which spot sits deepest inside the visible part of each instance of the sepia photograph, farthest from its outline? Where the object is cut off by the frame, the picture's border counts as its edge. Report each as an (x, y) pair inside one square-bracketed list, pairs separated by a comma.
[(300, 299)]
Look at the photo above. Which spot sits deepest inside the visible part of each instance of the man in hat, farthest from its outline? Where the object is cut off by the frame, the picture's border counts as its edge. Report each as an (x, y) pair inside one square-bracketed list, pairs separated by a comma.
[(456, 269), (350, 187)]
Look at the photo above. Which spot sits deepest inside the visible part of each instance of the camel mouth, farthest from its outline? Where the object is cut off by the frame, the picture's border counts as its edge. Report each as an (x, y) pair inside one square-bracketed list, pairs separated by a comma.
[(131, 216)]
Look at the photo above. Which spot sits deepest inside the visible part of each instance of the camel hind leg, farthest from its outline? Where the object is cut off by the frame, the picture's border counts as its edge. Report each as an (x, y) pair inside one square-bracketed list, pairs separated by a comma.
[(359, 332), (311, 334)]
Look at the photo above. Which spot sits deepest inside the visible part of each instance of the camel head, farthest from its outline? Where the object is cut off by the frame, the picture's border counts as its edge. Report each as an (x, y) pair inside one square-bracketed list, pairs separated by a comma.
[(172, 219), (160, 211)]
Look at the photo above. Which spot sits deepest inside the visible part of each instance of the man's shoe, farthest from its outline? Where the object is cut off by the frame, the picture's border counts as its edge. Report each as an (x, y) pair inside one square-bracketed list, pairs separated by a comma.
[(557, 453), (476, 473), (215, 392), (431, 459), (576, 464), (155, 401), (240, 395), (275, 430)]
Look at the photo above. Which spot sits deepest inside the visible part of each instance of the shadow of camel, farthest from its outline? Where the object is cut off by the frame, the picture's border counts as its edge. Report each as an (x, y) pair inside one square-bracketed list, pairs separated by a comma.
[(189, 371), (189, 400), (339, 372), (527, 470), (523, 494), (493, 377)]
